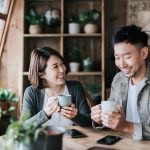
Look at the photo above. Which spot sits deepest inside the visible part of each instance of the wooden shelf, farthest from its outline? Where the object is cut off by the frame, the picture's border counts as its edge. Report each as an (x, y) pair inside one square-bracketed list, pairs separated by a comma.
[(42, 35), (91, 45), (83, 35), (76, 73)]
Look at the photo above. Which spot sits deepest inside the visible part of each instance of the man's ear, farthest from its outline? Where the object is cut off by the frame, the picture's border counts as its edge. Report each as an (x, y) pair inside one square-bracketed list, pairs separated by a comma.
[(144, 52), (41, 74)]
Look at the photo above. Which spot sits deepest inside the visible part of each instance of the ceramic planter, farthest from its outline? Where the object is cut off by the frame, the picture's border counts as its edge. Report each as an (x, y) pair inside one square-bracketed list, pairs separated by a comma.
[(74, 28), (74, 66), (90, 28), (35, 29), (52, 141)]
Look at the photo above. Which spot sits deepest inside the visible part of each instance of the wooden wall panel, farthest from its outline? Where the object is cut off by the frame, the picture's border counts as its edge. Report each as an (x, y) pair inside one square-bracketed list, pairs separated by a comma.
[(10, 64), (115, 16)]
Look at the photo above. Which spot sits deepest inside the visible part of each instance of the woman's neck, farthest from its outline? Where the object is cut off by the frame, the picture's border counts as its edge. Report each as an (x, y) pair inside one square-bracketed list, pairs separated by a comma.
[(55, 90)]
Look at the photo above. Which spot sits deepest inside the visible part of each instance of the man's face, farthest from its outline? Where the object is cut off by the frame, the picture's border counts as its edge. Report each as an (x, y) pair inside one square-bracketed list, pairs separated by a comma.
[(129, 59)]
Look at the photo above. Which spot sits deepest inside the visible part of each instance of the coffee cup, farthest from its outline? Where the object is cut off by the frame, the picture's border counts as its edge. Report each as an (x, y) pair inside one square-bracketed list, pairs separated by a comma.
[(64, 100), (109, 106)]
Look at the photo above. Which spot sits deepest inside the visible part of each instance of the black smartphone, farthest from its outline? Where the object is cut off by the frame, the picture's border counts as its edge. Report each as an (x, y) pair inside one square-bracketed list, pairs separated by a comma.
[(99, 148), (109, 139), (75, 133)]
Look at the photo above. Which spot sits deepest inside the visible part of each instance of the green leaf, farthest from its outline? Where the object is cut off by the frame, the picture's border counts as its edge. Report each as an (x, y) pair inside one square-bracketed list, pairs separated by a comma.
[(25, 117)]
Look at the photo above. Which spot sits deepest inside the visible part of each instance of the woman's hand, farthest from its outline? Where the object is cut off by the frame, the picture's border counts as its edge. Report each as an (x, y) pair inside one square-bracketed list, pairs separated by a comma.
[(69, 112), (96, 113), (51, 106)]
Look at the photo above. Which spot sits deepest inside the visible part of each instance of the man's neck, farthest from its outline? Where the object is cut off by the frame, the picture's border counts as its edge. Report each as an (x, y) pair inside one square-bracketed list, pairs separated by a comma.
[(140, 76)]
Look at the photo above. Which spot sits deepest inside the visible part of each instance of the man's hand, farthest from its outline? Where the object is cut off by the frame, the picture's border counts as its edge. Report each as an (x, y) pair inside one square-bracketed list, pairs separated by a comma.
[(116, 121), (96, 114), (69, 112)]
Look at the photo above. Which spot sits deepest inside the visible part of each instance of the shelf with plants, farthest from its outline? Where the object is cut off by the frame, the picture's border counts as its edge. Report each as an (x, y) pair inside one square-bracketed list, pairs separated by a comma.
[(55, 33)]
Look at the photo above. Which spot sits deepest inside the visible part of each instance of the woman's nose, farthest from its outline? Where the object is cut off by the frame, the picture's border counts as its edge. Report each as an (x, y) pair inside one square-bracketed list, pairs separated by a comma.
[(61, 69)]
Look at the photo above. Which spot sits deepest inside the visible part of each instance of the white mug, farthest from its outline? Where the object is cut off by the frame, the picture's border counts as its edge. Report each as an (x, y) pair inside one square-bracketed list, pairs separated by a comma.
[(109, 106)]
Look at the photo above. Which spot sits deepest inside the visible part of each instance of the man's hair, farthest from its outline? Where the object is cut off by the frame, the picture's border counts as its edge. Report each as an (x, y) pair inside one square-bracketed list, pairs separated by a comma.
[(38, 64), (130, 34)]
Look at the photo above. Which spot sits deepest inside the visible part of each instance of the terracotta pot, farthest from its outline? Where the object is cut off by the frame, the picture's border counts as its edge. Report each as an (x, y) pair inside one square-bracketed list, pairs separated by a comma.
[(35, 29), (90, 28)]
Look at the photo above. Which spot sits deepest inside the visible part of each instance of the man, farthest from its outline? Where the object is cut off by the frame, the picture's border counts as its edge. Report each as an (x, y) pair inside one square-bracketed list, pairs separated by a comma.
[(131, 86)]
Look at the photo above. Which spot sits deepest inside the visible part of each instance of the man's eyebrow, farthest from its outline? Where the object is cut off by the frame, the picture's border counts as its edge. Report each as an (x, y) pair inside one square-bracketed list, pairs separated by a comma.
[(128, 53)]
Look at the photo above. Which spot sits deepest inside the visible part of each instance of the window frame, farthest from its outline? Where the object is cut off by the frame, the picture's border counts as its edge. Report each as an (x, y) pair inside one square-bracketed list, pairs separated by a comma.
[(6, 18)]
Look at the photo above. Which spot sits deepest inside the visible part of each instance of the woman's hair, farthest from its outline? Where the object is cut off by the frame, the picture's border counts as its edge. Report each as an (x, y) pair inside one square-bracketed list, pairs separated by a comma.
[(38, 64)]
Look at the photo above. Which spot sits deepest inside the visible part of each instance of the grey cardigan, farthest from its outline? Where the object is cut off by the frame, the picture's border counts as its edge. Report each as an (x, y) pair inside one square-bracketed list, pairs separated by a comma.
[(34, 98)]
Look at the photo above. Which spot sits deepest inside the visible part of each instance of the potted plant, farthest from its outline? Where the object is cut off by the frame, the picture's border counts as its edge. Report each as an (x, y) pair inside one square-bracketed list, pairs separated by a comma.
[(8, 100), (30, 136), (89, 17), (87, 64), (74, 25), (74, 58), (35, 21)]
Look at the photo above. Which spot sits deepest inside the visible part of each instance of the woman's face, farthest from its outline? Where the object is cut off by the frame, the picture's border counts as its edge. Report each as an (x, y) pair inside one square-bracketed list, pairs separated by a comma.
[(55, 71)]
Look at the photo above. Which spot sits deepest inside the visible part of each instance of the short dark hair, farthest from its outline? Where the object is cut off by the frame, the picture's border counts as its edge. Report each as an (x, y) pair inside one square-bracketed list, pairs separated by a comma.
[(38, 64), (130, 34)]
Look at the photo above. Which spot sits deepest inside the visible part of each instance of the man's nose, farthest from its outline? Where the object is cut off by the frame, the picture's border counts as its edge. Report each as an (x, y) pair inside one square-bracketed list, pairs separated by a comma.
[(122, 63)]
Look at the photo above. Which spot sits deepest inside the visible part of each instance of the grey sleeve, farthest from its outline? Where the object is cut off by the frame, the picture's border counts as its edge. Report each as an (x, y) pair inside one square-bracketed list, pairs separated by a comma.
[(30, 105)]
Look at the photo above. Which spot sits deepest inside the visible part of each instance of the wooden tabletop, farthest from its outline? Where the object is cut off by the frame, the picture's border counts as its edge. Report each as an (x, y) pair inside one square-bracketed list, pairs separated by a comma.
[(126, 143)]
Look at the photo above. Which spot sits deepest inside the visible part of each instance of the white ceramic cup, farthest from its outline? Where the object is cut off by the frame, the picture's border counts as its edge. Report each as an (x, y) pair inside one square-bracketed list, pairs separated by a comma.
[(109, 106), (64, 100)]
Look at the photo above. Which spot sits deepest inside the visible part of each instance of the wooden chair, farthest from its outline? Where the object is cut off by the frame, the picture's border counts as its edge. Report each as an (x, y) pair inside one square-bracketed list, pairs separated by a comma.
[(89, 100)]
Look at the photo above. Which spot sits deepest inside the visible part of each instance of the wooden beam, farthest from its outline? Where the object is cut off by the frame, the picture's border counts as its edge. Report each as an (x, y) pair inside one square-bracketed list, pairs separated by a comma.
[(3, 16), (6, 28)]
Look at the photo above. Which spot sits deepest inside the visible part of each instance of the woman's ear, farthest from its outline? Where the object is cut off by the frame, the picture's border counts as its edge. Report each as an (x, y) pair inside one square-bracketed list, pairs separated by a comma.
[(41, 74), (144, 52)]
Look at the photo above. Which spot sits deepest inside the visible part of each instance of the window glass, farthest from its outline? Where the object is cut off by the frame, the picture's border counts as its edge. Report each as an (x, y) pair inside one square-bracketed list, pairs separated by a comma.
[(4, 6), (2, 24)]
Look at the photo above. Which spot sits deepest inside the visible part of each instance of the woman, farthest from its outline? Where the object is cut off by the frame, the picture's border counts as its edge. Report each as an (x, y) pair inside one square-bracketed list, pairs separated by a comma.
[(47, 76)]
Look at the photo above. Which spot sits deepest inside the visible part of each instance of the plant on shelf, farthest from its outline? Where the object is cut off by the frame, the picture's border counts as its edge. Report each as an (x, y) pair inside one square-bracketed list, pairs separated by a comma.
[(74, 58), (87, 64), (74, 25), (35, 21), (30, 136), (90, 18), (8, 100)]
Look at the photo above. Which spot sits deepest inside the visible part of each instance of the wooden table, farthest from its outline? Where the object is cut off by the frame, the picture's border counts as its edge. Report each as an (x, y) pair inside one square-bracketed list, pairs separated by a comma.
[(126, 143)]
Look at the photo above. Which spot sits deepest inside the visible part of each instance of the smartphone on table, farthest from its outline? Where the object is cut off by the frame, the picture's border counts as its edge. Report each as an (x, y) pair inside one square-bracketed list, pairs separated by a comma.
[(109, 139), (73, 133), (99, 148)]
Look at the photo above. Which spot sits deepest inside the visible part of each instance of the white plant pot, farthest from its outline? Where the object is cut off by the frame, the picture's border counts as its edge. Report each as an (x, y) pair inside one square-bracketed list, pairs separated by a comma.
[(90, 28), (74, 28), (74, 66), (35, 29)]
